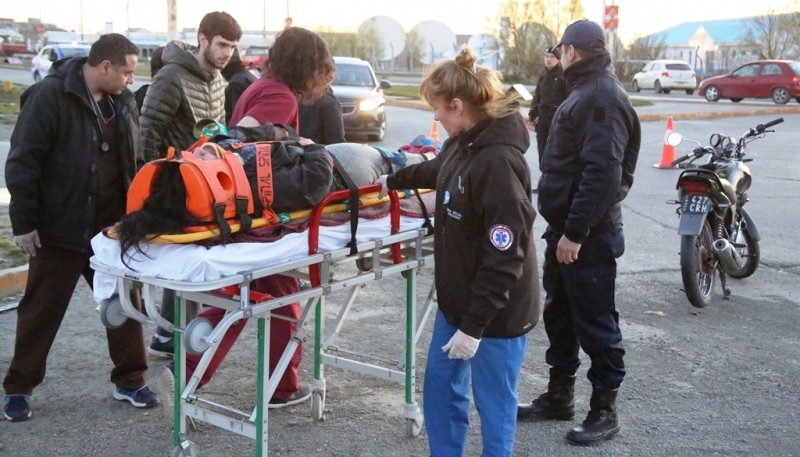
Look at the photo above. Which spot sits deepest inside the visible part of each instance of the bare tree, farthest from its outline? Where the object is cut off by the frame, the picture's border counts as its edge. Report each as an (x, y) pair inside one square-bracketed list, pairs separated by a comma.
[(774, 36), (650, 47), (528, 27)]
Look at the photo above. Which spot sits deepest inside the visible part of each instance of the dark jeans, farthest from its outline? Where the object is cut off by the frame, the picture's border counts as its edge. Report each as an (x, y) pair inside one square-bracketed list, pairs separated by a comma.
[(168, 310), (52, 277), (542, 132), (580, 312)]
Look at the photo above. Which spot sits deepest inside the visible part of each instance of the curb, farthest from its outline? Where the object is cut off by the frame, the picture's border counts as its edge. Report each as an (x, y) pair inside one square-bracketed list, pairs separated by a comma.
[(645, 117), (12, 280)]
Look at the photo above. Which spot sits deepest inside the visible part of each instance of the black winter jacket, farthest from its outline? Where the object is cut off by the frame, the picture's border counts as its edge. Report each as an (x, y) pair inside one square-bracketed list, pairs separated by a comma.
[(486, 273), (551, 90), (238, 82), (181, 94), (51, 167), (588, 165), (321, 120)]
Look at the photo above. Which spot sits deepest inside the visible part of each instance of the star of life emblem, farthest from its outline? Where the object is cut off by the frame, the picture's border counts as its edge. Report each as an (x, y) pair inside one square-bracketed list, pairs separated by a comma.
[(501, 237)]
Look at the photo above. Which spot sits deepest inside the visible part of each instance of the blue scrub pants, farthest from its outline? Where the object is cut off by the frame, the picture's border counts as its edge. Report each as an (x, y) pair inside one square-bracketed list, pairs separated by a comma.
[(494, 371)]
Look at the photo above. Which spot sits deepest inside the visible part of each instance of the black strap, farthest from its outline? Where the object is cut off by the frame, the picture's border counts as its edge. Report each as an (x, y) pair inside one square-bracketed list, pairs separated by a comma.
[(219, 214), (241, 211), (352, 203), (427, 224)]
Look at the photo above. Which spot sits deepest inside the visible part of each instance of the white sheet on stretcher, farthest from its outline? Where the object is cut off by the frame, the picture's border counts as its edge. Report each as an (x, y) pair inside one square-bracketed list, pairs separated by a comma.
[(194, 263)]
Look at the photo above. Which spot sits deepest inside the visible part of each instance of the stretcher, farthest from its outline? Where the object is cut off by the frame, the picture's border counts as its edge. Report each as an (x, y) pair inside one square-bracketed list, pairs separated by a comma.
[(220, 276)]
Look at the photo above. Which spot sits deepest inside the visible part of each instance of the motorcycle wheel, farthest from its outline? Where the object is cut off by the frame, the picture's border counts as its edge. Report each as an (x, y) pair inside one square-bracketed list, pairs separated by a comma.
[(750, 252), (698, 266)]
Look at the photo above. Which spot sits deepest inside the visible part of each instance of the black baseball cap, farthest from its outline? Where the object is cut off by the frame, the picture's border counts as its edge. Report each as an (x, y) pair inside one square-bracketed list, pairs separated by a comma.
[(583, 34), (555, 50)]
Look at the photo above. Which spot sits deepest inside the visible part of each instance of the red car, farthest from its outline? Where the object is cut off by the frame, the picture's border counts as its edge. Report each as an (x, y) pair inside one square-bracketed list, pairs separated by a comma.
[(254, 57), (775, 79)]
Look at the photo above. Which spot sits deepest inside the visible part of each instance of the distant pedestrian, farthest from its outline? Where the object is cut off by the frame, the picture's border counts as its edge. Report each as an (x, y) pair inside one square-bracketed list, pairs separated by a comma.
[(587, 170), (551, 90), (70, 164), (155, 64)]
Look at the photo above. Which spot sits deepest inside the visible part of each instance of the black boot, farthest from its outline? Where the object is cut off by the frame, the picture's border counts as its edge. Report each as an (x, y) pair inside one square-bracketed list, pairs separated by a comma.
[(601, 423), (557, 403)]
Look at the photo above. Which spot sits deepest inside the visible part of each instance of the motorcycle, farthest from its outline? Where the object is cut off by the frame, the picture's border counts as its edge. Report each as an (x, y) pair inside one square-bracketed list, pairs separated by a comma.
[(717, 233)]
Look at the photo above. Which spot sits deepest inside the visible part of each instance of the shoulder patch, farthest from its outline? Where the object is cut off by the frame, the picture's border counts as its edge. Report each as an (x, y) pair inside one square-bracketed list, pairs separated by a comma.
[(501, 237)]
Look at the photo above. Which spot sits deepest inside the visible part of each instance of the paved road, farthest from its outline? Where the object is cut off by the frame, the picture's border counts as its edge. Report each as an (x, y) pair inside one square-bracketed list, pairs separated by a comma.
[(721, 381)]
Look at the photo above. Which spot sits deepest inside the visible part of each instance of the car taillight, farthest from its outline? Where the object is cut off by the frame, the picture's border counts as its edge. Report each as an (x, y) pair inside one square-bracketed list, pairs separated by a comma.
[(695, 187), (694, 75), (665, 74)]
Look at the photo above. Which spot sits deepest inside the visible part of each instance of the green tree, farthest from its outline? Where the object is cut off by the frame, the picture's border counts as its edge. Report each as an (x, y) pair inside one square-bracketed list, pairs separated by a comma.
[(339, 44), (414, 47), (369, 44)]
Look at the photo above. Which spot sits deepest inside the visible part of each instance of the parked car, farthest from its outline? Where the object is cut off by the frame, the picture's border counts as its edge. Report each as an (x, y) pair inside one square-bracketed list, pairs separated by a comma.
[(361, 96), (775, 79), (253, 57), (41, 63), (664, 75)]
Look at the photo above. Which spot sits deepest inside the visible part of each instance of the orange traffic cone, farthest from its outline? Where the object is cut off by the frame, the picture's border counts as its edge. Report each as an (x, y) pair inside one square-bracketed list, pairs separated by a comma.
[(434, 131), (667, 151)]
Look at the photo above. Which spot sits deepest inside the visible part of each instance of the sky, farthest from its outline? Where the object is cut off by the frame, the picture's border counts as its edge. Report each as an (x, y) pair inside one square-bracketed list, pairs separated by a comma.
[(636, 17)]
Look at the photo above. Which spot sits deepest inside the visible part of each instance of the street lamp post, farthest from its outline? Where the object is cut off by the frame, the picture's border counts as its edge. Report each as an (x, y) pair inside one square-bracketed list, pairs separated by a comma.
[(81, 13)]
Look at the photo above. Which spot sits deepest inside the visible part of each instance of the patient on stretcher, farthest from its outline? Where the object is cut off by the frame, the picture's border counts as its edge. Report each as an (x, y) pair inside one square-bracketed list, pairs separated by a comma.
[(301, 177)]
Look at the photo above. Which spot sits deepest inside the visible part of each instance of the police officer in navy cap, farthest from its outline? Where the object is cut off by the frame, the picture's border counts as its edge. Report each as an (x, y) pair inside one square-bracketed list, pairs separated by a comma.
[(587, 170)]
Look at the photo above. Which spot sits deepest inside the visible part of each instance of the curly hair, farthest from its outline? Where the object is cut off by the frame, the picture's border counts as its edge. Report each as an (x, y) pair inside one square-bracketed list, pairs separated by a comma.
[(300, 58), (462, 78)]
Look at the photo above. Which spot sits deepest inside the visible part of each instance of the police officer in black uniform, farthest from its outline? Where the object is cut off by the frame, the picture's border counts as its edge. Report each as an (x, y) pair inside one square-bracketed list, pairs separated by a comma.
[(587, 170), (551, 90)]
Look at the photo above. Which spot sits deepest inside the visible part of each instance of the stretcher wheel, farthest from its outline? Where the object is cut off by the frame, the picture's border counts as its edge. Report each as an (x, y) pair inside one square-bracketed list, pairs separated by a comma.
[(317, 405), (111, 314), (413, 427), (364, 264), (195, 335), (185, 449)]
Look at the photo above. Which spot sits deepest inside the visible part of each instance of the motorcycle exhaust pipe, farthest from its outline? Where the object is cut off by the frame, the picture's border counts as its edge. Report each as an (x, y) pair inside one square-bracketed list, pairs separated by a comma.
[(729, 256)]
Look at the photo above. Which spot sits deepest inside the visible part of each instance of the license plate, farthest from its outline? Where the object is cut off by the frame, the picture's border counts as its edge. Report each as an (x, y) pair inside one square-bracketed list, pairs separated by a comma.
[(696, 204)]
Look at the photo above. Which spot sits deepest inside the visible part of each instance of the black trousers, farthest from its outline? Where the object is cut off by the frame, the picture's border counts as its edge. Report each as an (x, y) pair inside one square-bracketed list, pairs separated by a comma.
[(52, 277), (580, 311)]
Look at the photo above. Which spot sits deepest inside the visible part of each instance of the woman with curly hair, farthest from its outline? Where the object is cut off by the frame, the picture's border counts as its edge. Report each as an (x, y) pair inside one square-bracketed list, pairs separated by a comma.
[(299, 68)]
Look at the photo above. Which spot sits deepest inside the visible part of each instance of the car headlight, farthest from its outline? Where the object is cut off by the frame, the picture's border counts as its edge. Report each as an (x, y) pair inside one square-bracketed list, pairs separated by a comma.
[(367, 105)]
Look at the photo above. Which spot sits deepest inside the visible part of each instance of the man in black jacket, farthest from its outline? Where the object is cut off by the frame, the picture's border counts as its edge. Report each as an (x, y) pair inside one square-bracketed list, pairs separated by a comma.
[(69, 167), (587, 170), (551, 90)]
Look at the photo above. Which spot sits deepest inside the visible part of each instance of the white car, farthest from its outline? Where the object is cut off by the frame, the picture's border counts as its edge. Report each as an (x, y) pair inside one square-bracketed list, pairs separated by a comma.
[(42, 62), (664, 75)]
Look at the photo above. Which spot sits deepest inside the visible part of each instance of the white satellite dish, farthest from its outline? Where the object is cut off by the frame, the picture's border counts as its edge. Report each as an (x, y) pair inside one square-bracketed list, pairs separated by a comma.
[(487, 48), (391, 33), (438, 41)]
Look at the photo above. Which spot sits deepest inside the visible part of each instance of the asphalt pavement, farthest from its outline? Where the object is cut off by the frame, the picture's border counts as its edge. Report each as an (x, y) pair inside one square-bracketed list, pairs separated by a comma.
[(719, 381)]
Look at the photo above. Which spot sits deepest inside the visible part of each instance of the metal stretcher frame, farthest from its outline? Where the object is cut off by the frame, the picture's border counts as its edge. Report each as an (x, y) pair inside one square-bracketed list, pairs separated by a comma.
[(408, 251)]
